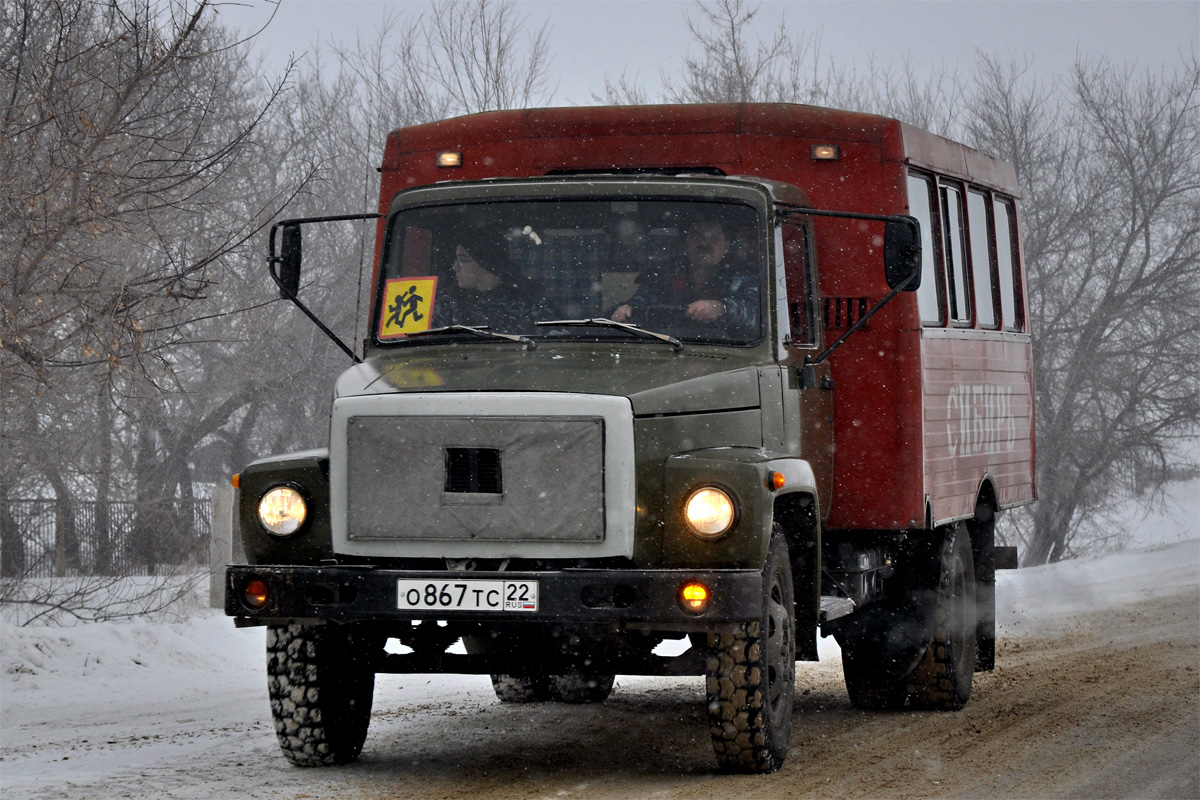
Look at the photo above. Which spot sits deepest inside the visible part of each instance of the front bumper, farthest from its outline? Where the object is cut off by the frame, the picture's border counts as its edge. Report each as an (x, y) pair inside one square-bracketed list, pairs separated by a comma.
[(354, 594)]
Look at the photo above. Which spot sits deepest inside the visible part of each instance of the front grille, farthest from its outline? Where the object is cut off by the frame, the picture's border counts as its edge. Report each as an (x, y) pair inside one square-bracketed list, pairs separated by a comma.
[(475, 478), (473, 470)]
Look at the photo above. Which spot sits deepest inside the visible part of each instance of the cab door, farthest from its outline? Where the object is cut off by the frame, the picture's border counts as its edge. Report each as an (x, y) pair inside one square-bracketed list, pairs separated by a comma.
[(807, 389)]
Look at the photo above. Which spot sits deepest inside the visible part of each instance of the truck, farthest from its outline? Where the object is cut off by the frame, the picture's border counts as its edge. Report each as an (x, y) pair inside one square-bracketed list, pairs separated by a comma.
[(656, 390)]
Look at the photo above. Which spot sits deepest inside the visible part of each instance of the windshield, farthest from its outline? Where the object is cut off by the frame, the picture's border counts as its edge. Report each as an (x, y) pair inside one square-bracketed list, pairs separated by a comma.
[(691, 269)]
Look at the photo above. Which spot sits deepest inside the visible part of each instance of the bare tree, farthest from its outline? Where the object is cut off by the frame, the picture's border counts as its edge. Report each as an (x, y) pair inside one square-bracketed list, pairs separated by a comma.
[(130, 132), (95, 598), (734, 67), (141, 156), (1114, 277), (624, 91), (731, 67), (478, 59), (109, 139)]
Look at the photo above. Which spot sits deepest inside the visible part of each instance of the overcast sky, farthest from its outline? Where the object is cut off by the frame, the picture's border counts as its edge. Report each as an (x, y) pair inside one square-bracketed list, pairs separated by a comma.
[(593, 39)]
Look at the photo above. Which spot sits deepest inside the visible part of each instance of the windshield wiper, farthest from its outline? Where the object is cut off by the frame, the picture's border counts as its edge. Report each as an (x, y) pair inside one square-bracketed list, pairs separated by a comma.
[(602, 322), (481, 330)]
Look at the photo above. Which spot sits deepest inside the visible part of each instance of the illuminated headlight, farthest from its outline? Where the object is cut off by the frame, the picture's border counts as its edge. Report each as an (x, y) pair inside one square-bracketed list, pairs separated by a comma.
[(709, 512), (282, 511)]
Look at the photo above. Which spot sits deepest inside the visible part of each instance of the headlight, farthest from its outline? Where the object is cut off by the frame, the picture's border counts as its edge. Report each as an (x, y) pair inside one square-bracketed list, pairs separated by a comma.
[(282, 511), (709, 512)]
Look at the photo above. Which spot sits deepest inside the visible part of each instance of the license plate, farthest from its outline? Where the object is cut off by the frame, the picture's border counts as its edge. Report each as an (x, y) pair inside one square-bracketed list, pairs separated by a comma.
[(467, 595)]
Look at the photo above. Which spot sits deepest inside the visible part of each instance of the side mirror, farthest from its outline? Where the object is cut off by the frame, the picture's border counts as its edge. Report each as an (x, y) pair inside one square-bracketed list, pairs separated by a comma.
[(901, 253), (289, 261)]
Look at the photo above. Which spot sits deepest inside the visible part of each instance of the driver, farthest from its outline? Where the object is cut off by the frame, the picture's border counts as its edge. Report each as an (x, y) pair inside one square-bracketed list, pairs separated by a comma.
[(708, 287)]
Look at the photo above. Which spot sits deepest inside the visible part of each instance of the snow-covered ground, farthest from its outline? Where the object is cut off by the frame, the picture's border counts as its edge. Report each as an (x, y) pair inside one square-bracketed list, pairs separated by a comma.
[(109, 704)]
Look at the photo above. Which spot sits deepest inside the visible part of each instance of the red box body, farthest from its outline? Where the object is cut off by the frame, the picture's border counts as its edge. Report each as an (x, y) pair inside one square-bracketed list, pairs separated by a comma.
[(926, 417)]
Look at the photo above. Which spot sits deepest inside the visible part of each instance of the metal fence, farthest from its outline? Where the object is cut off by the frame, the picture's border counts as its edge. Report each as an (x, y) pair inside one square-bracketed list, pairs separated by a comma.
[(49, 538)]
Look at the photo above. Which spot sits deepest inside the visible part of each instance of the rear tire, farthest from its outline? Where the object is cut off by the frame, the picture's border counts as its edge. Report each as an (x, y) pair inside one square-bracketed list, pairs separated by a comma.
[(942, 678), (751, 677), (321, 680), (580, 688), (921, 643), (516, 689)]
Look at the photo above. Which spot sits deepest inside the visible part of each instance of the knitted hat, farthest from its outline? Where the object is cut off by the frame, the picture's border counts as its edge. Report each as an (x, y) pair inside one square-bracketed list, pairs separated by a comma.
[(489, 249)]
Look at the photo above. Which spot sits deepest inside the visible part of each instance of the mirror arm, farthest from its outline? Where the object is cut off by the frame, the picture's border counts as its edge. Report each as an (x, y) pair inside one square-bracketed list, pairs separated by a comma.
[(325, 329), (860, 323), (785, 210), (274, 260)]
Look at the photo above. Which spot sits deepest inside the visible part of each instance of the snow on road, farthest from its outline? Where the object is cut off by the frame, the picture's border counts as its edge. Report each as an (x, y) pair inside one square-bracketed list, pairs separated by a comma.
[(179, 710)]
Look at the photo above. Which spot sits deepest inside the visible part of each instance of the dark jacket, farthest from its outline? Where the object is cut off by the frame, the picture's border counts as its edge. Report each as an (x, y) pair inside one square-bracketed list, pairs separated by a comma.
[(512, 307), (736, 288)]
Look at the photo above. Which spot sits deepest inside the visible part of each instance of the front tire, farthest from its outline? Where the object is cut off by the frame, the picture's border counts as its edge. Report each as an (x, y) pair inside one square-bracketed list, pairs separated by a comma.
[(321, 681), (751, 677)]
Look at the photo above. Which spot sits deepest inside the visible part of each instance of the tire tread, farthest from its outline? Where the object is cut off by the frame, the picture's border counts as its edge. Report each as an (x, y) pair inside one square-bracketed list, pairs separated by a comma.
[(320, 697)]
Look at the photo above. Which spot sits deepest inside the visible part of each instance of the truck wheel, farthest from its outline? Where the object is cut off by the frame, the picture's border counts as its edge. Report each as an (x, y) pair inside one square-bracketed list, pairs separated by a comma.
[(578, 688), (320, 680), (751, 677), (921, 644), (942, 678), (515, 689)]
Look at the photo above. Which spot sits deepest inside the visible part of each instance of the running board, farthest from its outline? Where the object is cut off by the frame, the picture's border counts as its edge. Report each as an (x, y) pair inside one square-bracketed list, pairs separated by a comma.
[(833, 607)]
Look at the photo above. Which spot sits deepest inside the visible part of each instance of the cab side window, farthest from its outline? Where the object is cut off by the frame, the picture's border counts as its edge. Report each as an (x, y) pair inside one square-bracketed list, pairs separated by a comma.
[(799, 284), (929, 295)]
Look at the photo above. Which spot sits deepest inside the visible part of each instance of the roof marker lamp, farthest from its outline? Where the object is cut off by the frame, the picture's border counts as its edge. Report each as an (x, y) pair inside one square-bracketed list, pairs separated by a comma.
[(448, 158), (282, 511), (709, 512)]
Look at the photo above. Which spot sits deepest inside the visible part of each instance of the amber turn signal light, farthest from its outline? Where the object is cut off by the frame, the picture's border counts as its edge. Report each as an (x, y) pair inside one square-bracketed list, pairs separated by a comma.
[(694, 597), (255, 594)]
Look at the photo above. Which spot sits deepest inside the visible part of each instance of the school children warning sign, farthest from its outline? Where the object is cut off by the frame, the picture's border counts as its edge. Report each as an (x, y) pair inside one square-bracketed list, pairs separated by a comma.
[(407, 306)]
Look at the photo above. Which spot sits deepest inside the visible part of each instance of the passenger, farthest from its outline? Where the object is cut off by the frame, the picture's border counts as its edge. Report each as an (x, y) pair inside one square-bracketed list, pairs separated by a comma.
[(490, 291), (707, 289)]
